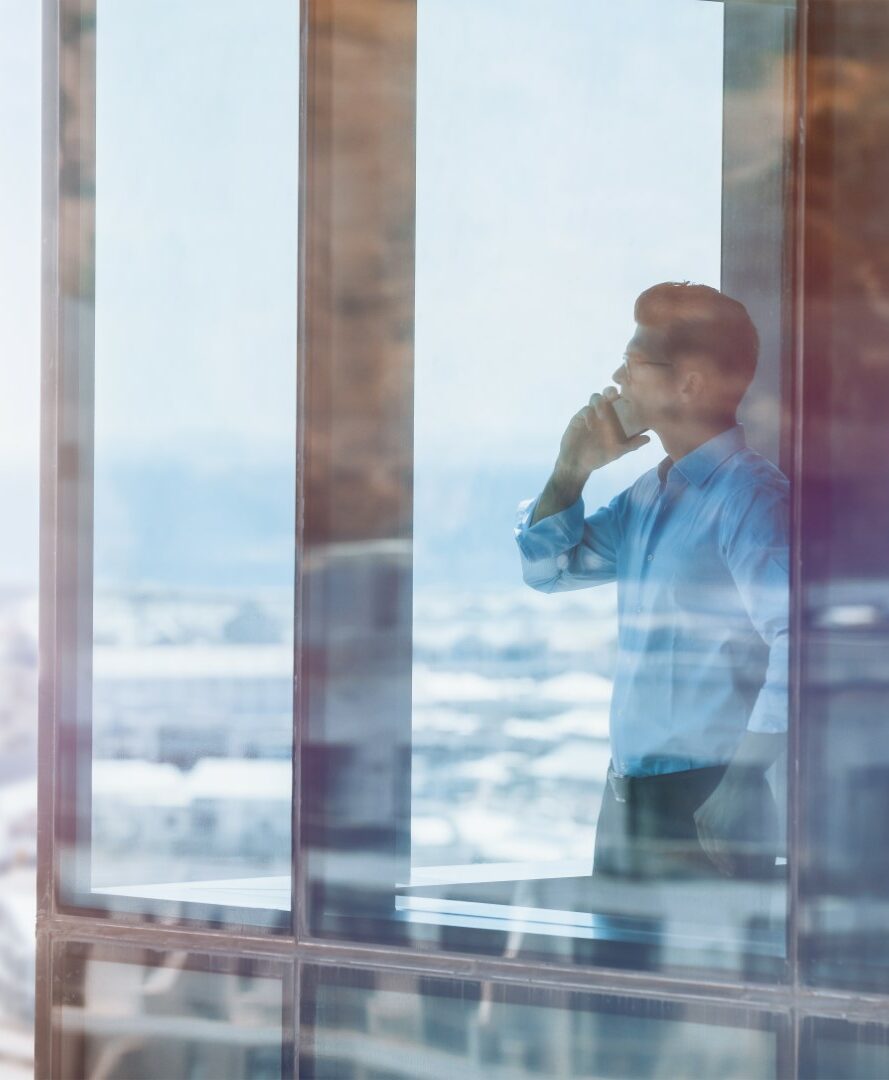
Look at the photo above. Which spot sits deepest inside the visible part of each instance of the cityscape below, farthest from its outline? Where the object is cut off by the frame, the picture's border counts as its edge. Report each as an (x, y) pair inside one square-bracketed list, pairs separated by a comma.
[(192, 738)]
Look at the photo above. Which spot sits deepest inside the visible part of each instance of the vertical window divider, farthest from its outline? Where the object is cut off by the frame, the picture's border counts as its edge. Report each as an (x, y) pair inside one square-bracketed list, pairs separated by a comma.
[(797, 625)]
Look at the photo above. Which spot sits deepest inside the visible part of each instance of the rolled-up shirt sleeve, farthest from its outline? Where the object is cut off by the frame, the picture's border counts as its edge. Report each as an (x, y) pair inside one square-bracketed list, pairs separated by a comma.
[(567, 551), (756, 547)]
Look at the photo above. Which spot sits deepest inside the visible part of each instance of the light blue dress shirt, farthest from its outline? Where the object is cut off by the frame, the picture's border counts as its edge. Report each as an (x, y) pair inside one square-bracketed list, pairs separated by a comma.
[(699, 550)]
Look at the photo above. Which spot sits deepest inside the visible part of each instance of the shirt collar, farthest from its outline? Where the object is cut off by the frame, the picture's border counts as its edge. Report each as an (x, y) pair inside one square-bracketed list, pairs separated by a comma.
[(697, 466)]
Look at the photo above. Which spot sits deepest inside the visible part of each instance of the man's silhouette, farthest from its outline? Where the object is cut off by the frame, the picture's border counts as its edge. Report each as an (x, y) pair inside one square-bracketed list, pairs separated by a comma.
[(699, 550)]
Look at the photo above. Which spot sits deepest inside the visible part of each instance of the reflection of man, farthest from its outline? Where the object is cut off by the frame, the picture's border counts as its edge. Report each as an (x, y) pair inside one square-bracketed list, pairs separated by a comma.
[(699, 549)]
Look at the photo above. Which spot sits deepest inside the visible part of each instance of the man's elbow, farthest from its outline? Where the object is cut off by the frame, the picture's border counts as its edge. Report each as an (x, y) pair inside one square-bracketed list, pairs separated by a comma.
[(543, 583), (550, 585)]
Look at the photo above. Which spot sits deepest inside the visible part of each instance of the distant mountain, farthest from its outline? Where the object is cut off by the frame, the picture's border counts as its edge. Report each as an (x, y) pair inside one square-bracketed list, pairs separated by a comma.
[(170, 524), (464, 519)]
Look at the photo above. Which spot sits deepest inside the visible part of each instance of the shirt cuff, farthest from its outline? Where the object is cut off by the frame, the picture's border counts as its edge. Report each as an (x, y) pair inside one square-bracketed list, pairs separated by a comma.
[(552, 535)]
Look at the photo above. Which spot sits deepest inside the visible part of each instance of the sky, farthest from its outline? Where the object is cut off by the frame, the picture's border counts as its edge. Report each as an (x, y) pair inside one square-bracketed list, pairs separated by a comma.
[(568, 155), (197, 124), (19, 289)]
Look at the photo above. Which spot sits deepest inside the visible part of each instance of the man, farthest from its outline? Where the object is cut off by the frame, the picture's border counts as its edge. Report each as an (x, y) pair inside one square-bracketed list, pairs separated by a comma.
[(699, 550)]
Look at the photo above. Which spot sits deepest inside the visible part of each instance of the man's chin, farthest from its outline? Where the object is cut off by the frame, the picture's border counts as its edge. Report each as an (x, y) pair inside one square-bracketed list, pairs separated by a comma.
[(636, 417)]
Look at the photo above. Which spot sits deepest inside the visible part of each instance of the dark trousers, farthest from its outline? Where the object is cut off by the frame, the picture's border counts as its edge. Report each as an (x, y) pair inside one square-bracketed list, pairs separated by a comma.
[(646, 827)]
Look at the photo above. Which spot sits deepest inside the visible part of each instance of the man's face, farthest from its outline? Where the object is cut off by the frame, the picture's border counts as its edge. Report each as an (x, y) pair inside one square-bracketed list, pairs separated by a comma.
[(647, 379)]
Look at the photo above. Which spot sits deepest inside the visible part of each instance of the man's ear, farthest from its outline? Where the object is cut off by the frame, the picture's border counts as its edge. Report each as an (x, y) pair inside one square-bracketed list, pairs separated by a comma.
[(693, 382)]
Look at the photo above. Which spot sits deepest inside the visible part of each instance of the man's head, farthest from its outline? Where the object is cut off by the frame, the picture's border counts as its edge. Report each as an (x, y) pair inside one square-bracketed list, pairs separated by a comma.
[(692, 357)]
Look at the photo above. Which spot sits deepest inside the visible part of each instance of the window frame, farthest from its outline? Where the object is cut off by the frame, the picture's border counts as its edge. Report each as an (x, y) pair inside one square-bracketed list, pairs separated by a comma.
[(62, 566), (769, 299), (67, 463)]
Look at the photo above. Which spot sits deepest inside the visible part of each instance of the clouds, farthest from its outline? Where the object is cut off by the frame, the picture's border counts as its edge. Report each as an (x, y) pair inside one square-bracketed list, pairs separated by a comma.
[(568, 155), (196, 227)]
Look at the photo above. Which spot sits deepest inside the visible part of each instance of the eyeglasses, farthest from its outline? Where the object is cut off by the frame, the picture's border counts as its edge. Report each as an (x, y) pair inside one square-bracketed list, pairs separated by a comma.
[(635, 361)]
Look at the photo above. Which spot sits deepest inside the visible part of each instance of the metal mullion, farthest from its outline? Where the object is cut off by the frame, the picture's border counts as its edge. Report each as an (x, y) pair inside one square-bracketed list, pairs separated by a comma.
[(43, 1048), (290, 1019), (46, 756), (779, 998), (855, 1008), (66, 462), (314, 91), (796, 650), (768, 998), (55, 934), (548, 975), (165, 937), (296, 867), (497, 969), (296, 974), (53, 1034)]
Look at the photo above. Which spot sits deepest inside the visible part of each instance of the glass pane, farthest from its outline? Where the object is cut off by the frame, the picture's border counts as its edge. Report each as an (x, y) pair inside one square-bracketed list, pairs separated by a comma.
[(357, 1024), (152, 1015), (544, 207), (179, 348), (556, 219), (845, 699), (837, 1050)]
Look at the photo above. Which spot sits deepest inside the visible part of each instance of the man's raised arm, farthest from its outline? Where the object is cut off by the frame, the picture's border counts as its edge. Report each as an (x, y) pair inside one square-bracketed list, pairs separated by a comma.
[(560, 549), (592, 439)]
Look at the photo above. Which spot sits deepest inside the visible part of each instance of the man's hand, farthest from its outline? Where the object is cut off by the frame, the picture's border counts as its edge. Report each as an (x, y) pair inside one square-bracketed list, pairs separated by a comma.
[(722, 819), (736, 823), (592, 439)]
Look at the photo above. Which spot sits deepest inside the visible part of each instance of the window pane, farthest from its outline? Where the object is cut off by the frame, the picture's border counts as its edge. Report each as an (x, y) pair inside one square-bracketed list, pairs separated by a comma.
[(544, 206), (835, 1049), (356, 1024), (179, 355), (555, 219), (154, 1014), (845, 701)]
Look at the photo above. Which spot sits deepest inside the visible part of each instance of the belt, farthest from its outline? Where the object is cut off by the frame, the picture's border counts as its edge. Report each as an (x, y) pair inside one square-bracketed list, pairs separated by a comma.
[(620, 785), (623, 786)]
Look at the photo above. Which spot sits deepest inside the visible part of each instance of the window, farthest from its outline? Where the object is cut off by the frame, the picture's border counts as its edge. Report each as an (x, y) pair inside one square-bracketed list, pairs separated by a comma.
[(843, 881), (416, 1026), (145, 1013), (552, 215), (428, 795), (544, 206), (178, 248)]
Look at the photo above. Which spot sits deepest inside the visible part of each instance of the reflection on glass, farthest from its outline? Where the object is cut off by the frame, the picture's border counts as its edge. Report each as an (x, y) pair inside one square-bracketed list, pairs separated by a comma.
[(845, 698), (359, 1024), (530, 257), (158, 1015), (457, 736), (836, 1049), (195, 330), (698, 547)]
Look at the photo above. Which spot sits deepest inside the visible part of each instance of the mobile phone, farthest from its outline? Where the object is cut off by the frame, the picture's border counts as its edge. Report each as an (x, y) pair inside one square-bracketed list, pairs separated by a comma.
[(627, 418)]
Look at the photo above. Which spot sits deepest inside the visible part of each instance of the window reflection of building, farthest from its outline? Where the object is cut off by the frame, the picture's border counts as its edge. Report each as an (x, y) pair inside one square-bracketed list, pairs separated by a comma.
[(454, 1029), (129, 1020)]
